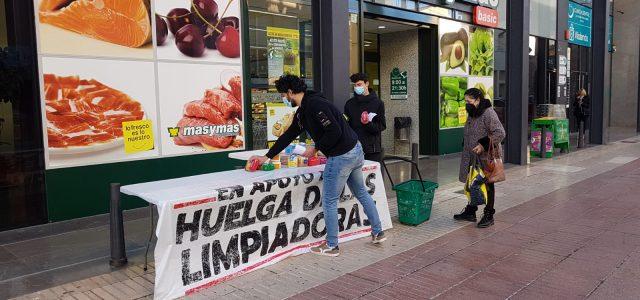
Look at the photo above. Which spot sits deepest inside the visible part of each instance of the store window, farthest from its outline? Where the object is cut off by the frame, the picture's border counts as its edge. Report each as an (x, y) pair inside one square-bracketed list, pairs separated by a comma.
[(543, 85), (22, 191), (280, 38)]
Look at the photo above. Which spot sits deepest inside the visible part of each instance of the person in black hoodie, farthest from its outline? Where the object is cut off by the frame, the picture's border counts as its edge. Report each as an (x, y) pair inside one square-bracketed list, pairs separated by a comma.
[(333, 136), (365, 113)]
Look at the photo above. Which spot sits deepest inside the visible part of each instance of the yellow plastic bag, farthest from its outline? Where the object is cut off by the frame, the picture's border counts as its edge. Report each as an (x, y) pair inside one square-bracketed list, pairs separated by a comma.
[(476, 188)]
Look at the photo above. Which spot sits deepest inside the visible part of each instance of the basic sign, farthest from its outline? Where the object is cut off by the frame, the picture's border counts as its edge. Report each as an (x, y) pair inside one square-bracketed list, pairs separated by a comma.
[(485, 16)]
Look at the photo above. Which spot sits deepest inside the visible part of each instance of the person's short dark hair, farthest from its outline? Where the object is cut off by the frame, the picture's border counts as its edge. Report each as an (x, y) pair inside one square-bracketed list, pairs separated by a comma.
[(359, 76), (291, 82), (474, 93)]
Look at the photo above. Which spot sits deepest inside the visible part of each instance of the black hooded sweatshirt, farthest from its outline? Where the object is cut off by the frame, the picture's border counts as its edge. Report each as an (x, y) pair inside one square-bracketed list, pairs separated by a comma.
[(323, 122), (369, 134)]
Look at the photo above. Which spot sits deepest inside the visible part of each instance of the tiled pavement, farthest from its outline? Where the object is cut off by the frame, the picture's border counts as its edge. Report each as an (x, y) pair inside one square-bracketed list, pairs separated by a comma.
[(577, 242), (441, 246)]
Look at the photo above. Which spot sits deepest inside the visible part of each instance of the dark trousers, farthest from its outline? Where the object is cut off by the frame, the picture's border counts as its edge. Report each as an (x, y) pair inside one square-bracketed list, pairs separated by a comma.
[(491, 195), (491, 198), (374, 156)]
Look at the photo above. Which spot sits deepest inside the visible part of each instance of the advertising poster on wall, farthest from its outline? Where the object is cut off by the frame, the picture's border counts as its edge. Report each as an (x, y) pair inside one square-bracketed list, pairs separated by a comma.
[(452, 105), (279, 118), (454, 45), (204, 30), (484, 84), (200, 113), (283, 47), (466, 61), (481, 52), (86, 105), (130, 100), (110, 28)]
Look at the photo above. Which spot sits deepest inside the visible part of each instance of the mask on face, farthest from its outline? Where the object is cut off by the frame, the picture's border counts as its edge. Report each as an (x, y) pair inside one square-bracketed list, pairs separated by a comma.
[(286, 102), (471, 109), (359, 90)]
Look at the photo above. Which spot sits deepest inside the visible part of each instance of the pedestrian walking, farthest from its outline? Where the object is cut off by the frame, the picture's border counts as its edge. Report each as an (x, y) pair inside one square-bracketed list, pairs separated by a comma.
[(581, 111), (333, 136), (365, 114), (481, 129)]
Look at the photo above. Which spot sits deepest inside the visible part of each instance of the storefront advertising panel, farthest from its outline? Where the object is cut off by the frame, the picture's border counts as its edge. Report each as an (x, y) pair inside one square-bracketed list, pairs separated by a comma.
[(466, 61), (128, 80)]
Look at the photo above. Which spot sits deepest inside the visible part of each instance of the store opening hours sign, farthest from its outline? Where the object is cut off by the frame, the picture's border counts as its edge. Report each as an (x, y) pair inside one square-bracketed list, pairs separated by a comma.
[(485, 16), (399, 85), (237, 229)]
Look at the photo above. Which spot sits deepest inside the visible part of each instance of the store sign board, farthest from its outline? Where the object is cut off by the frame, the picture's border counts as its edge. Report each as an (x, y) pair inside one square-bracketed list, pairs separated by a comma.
[(119, 95), (485, 16), (398, 85), (579, 24)]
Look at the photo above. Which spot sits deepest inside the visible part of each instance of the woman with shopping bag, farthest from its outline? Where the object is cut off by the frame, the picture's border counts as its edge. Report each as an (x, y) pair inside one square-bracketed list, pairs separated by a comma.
[(482, 152)]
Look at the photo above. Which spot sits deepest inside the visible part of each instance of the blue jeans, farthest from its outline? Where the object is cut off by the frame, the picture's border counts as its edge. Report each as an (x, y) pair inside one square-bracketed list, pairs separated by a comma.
[(341, 170)]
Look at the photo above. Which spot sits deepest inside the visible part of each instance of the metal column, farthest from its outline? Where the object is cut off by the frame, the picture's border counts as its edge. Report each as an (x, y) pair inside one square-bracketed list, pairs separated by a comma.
[(334, 50), (518, 81), (601, 72)]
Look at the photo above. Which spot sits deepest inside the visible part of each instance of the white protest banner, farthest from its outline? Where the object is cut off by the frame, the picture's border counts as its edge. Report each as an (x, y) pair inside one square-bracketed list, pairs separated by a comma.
[(258, 220)]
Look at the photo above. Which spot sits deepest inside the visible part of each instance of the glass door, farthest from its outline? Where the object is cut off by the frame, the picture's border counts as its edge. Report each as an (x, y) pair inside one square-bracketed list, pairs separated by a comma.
[(580, 66), (22, 187)]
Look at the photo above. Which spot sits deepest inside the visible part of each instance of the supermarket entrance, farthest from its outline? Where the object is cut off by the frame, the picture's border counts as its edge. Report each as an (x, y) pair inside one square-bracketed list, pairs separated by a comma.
[(396, 56)]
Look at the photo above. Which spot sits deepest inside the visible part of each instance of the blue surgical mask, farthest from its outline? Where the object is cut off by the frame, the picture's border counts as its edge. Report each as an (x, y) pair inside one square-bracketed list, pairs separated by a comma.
[(359, 90), (286, 102)]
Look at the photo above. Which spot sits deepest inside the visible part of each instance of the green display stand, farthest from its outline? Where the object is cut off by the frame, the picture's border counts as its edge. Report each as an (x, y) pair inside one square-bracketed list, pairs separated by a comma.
[(560, 129)]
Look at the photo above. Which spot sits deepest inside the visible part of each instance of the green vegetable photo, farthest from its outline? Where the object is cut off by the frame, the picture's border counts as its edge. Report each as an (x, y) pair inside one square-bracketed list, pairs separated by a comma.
[(452, 104), (481, 52)]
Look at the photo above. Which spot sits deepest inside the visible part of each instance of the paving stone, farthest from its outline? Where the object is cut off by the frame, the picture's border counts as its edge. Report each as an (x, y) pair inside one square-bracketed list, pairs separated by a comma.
[(550, 225)]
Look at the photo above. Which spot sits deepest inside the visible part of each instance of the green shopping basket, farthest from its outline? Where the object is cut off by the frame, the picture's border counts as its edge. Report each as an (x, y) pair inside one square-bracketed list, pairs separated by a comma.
[(414, 197)]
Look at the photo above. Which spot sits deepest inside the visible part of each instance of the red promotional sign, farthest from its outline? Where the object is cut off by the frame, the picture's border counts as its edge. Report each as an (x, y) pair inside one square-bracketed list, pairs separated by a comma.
[(485, 16)]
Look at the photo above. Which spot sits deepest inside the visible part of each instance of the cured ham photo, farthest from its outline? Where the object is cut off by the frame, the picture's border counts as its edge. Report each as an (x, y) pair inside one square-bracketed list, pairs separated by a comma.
[(84, 112), (218, 108), (121, 22)]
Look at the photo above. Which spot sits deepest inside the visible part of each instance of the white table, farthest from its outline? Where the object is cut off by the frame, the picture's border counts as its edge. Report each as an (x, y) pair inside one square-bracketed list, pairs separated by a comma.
[(245, 155), (202, 218)]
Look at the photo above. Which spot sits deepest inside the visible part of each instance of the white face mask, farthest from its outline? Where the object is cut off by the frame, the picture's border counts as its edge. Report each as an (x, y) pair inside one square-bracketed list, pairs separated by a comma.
[(286, 102)]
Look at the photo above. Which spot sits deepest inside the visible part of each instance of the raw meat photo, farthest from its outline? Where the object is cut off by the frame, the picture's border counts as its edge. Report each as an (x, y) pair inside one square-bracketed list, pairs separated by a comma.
[(201, 108), (84, 115), (198, 29), (214, 122), (96, 27)]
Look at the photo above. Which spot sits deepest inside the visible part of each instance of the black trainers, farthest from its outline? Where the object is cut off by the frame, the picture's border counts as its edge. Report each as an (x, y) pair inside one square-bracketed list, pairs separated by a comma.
[(487, 219), (467, 214), (379, 238)]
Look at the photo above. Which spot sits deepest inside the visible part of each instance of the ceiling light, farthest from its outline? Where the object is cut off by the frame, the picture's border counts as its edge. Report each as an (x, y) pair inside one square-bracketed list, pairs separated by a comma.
[(382, 27)]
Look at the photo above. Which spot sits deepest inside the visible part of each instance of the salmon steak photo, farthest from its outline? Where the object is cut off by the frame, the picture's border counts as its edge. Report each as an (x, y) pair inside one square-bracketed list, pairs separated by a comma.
[(90, 27), (84, 115)]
